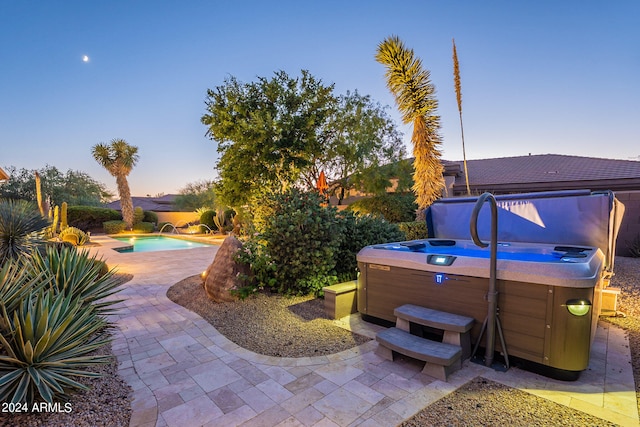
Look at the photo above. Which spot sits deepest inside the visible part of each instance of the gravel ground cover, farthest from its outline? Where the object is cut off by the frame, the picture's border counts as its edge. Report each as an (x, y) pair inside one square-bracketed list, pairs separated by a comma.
[(269, 324), (281, 322)]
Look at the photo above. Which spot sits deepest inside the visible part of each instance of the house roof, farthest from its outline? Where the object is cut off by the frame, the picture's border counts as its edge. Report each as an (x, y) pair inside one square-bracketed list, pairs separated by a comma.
[(548, 172), (3, 175), (156, 204)]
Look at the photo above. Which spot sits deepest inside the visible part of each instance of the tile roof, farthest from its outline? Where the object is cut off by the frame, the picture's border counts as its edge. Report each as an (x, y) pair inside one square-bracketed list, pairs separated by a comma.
[(156, 204), (545, 172), (549, 168)]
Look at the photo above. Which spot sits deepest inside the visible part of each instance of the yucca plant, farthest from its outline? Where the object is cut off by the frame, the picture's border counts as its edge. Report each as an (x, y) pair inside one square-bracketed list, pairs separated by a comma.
[(21, 228), (76, 274), (50, 340)]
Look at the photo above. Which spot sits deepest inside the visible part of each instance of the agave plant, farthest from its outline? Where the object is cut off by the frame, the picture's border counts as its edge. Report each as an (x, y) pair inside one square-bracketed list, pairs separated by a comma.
[(21, 228), (16, 285), (50, 339), (76, 274)]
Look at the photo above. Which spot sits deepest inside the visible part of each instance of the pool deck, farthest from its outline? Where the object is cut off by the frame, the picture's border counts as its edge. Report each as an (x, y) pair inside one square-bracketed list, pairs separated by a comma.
[(185, 373)]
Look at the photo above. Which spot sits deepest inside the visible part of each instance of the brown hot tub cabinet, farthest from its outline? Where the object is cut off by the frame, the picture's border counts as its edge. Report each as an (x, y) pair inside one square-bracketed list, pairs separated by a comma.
[(536, 279)]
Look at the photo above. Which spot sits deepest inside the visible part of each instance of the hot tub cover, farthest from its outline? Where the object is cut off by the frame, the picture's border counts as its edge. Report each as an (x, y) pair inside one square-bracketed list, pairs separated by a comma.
[(573, 218)]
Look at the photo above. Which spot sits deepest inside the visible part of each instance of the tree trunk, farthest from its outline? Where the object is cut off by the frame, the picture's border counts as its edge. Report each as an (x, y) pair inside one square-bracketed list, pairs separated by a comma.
[(126, 204)]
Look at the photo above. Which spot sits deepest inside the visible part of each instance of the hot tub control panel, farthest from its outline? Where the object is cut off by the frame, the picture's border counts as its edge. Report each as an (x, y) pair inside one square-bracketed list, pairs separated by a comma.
[(440, 259)]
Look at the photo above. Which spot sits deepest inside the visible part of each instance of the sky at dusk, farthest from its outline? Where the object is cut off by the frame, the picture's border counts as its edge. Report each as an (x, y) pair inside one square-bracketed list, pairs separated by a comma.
[(538, 77)]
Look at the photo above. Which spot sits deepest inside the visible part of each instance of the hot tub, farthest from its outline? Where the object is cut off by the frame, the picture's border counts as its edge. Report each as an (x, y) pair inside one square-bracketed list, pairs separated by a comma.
[(548, 291)]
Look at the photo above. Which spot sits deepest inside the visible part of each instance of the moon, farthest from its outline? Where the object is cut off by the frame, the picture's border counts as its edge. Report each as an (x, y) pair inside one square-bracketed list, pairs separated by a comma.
[(85, 58)]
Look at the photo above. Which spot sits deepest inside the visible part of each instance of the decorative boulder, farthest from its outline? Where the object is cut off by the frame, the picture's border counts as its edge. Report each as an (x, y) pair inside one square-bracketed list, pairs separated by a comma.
[(222, 274)]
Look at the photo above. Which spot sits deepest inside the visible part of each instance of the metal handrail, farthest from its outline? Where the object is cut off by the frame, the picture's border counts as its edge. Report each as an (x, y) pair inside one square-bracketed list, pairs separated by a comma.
[(492, 295)]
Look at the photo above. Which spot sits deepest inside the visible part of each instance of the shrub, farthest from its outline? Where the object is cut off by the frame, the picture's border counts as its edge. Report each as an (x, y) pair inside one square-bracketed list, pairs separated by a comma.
[(360, 231), (114, 227), (144, 227), (414, 230), (74, 235), (150, 216), (22, 228), (89, 218), (206, 218), (300, 237), (253, 253), (170, 228), (138, 215), (394, 207)]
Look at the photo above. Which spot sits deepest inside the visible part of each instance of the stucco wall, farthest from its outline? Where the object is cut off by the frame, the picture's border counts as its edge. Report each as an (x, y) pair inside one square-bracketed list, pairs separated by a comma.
[(178, 218), (630, 227)]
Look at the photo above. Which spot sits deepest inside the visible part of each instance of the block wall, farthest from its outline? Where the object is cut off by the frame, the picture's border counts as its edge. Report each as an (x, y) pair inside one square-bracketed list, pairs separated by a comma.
[(630, 227)]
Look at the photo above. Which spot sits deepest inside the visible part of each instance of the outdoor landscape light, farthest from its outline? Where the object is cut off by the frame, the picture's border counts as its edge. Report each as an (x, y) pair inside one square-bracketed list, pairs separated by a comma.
[(578, 307)]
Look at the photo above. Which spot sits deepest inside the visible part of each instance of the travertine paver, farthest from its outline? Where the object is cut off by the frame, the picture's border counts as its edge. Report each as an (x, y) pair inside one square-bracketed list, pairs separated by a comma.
[(185, 373)]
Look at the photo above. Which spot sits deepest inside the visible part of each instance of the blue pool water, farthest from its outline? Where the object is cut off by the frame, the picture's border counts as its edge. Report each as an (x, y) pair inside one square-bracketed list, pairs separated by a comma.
[(157, 243), (504, 252)]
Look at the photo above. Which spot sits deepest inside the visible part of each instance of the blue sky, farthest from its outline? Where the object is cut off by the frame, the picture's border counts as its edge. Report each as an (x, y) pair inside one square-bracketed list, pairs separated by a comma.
[(537, 77)]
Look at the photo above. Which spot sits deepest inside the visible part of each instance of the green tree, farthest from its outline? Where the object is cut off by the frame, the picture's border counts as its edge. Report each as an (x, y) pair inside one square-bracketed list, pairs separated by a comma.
[(119, 158), (362, 138), (74, 187), (414, 93), (196, 195), (268, 132)]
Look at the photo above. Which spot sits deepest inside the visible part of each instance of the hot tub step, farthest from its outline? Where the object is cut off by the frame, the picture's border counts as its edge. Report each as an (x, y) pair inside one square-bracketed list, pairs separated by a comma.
[(457, 329), (441, 359)]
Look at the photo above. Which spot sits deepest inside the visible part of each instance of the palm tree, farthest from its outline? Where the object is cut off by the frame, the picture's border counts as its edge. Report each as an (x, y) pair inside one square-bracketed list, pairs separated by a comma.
[(414, 93), (118, 158)]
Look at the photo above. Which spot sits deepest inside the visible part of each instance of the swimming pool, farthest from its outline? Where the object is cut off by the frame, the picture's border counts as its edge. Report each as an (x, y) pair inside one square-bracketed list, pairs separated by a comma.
[(155, 243)]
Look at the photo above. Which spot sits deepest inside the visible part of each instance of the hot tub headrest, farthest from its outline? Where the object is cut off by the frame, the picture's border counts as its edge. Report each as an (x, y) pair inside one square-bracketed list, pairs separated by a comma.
[(561, 217)]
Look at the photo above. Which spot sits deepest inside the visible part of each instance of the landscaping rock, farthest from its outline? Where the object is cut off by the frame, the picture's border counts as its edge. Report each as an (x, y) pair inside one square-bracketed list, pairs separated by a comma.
[(222, 276)]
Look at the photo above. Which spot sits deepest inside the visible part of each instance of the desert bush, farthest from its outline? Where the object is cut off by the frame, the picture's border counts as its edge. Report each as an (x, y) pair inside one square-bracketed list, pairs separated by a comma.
[(22, 228), (79, 236), (254, 253), (414, 230), (90, 218), (207, 217), (360, 231), (114, 227), (144, 227), (300, 237), (394, 207), (150, 216), (138, 214)]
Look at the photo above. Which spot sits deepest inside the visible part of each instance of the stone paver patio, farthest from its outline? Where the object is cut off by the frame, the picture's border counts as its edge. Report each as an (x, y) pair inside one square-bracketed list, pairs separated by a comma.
[(185, 373)]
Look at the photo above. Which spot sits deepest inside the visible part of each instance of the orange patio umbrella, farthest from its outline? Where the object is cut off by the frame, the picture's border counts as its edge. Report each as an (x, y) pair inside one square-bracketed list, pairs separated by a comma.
[(322, 183)]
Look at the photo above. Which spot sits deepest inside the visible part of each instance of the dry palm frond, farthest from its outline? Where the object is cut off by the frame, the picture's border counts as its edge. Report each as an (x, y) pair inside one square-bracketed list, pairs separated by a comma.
[(414, 93)]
